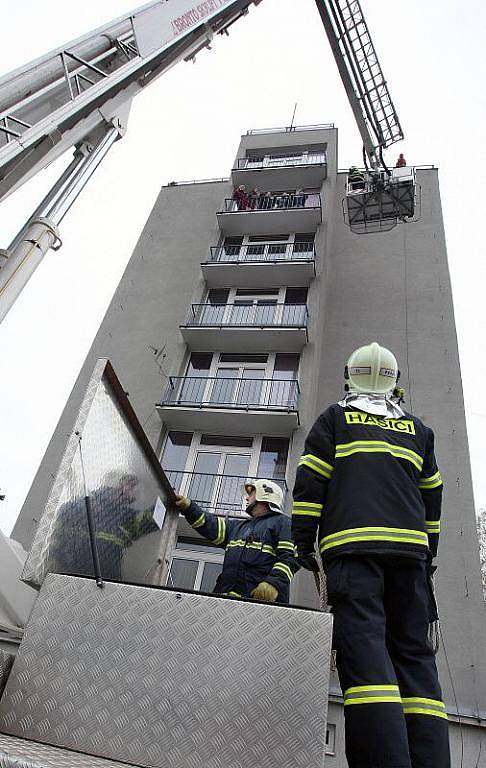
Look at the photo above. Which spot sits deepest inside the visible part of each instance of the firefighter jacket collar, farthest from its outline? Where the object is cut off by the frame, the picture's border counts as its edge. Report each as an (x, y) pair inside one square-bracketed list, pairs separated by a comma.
[(376, 404)]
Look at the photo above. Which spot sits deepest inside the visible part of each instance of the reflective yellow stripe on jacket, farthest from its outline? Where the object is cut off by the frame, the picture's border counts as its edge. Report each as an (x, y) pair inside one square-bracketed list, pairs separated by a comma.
[(378, 446), (283, 569), (307, 508), (287, 545), (267, 548), (427, 483), (374, 533), (317, 465), (221, 531)]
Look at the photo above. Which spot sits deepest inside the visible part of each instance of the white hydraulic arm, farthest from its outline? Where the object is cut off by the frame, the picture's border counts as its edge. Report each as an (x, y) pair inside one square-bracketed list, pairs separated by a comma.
[(79, 95), (57, 101), (361, 75)]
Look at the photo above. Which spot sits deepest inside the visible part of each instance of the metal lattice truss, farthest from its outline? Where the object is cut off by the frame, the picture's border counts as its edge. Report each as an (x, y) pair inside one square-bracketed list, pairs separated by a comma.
[(361, 73), (65, 97)]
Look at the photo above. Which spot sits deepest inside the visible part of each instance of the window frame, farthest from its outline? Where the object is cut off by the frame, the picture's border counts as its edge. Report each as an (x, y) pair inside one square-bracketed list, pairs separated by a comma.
[(203, 555)]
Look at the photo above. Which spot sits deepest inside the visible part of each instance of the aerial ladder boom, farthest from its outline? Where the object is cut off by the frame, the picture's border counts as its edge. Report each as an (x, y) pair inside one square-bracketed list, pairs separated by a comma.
[(376, 198), (79, 96), (362, 76)]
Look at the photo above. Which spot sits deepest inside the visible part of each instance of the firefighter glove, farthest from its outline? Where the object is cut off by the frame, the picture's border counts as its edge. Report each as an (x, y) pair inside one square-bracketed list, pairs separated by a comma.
[(265, 591), (182, 502)]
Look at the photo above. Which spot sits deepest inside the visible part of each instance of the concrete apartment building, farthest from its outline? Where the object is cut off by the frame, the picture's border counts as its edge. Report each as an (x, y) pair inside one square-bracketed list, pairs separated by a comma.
[(230, 330)]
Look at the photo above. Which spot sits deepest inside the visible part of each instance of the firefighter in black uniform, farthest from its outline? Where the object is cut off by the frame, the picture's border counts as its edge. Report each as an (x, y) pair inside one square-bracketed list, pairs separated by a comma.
[(260, 559), (368, 485)]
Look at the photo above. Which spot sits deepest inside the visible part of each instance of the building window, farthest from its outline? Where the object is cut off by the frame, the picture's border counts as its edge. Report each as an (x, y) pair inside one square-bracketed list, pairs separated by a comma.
[(270, 248), (213, 469), (176, 450), (195, 566), (232, 380), (272, 463), (248, 307)]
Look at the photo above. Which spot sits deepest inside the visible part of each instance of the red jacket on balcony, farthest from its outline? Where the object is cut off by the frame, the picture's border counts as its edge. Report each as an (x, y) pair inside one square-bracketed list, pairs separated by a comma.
[(241, 198)]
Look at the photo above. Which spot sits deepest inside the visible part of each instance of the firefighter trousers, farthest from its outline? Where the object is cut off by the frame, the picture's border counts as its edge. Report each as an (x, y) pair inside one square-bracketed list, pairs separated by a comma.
[(394, 715)]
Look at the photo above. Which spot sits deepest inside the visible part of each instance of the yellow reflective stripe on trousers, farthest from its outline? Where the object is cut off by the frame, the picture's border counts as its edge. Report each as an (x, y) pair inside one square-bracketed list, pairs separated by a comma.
[(234, 594), (378, 446), (307, 508), (372, 694), (200, 521), (221, 531), (417, 705), (284, 569), (432, 526), (316, 464), (426, 483), (375, 533)]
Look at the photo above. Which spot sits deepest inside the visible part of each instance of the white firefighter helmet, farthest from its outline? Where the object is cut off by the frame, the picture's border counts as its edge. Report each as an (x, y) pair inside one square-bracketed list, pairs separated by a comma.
[(372, 369), (267, 491)]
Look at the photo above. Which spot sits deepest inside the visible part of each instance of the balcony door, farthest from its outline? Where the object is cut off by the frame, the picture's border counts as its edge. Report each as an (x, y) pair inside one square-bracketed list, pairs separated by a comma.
[(254, 307), (218, 477), (242, 386)]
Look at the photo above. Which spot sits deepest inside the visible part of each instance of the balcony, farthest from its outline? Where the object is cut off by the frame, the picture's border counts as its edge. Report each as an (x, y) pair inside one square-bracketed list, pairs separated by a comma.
[(246, 327), (252, 265), (228, 405), (220, 494), (268, 214), (296, 169)]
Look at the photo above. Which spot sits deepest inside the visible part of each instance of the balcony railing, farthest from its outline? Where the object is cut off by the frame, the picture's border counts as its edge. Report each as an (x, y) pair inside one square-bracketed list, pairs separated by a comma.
[(244, 315), (262, 252), (221, 494), (242, 393), (265, 201), (282, 161)]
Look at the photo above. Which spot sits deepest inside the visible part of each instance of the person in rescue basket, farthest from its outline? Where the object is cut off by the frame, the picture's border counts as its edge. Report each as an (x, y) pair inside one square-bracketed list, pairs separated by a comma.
[(260, 559), (368, 485)]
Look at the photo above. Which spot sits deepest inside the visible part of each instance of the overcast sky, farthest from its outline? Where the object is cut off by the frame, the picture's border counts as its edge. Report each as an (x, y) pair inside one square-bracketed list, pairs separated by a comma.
[(187, 126)]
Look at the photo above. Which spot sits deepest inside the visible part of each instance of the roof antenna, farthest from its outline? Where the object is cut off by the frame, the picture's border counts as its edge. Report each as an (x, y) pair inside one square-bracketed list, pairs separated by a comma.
[(293, 118)]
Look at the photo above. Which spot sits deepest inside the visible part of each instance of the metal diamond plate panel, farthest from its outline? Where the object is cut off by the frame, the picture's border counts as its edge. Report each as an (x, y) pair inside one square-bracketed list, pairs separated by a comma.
[(17, 753), (104, 460), (6, 661), (172, 680)]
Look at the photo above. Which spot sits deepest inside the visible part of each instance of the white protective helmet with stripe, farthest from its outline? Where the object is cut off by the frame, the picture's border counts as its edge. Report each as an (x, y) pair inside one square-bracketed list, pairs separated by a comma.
[(372, 369), (267, 491)]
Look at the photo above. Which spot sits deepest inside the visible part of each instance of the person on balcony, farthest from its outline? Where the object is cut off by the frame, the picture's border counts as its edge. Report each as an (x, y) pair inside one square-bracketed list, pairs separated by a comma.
[(401, 162), (260, 559), (240, 197), (299, 198), (253, 199)]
